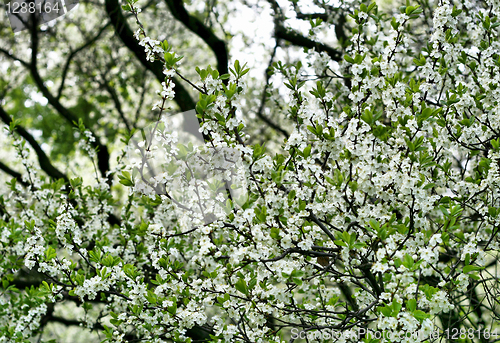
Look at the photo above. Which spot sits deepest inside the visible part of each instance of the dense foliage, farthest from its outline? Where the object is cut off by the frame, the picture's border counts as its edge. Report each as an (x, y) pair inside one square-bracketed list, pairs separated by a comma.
[(374, 205)]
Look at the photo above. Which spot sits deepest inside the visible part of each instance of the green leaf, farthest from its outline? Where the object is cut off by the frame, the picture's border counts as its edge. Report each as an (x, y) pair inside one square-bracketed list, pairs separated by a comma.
[(115, 322), (130, 271), (385, 310), (297, 273), (126, 179), (396, 307), (349, 59), (241, 286), (374, 224), (346, 237), (421, 315), (172, 309), (467, 259), (429, 185), (340, 243), (182, 153), (492, 211), (471, 268), (408, 261), (394, 24), (152, 297), (275, 233), (359, 245), (50, 253), (411, 305), (352, 239), (307, 151)]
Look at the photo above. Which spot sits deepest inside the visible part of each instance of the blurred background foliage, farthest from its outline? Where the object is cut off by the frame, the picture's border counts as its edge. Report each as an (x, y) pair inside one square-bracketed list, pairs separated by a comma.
[(85, 62)]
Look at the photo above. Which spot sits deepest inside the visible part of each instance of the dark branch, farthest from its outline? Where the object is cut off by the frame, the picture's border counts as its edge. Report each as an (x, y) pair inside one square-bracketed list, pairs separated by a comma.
[(73, 54), (296, 38), (308, 16), (299, 40), (11, 56), (339, 24), (263, 99), (13, 173), (196, 26), (43, 159), (116, 101), (66, 322), (182, 97), (102, 150)]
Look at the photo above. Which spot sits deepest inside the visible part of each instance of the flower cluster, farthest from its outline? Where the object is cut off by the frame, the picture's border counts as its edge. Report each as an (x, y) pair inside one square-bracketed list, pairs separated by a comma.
[(379, 209)]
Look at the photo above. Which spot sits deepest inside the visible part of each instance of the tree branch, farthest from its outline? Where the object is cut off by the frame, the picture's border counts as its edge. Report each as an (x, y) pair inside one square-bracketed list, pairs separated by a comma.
[(13, 173), (339, 25), (73, 54), (105, 84), (299, 40), (201, 30), (308, 16), (182, 97), (43, 159), (296, 38), (263, 99), (102, 150)]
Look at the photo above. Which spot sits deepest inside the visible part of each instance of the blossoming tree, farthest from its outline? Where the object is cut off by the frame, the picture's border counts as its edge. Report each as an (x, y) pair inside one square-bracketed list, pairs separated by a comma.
[(375, 207)]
